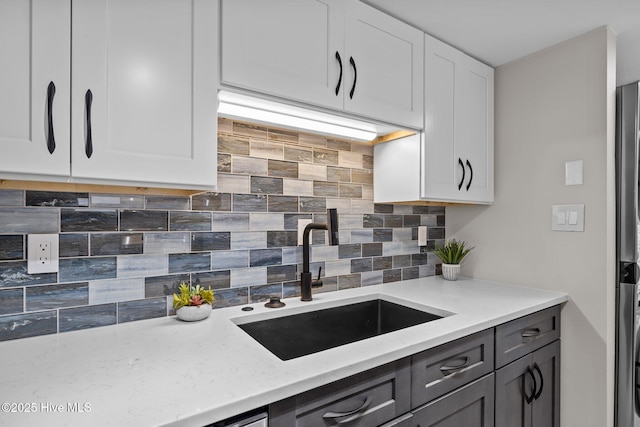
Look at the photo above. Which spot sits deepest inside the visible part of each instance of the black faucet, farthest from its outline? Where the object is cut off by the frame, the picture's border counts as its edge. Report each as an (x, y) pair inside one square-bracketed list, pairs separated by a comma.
[(306, 282)]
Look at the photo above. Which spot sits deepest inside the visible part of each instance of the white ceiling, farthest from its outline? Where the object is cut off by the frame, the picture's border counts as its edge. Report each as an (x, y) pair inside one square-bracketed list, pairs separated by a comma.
[(500, 31)]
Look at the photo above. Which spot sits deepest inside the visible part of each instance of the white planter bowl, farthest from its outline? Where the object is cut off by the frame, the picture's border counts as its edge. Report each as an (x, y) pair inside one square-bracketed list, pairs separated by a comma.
[(450, 271), (191, 313)]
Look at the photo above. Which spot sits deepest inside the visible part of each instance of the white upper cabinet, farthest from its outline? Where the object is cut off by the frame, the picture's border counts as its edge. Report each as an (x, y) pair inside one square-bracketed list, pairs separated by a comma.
[(35, 86), (383, 67), (284, 48), (458, 131), (452, 161), (337, 54), (139, 89), (144, 72)]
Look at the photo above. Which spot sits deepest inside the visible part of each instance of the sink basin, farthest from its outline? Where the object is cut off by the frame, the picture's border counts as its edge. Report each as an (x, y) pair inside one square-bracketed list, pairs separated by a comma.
[(301, 334)]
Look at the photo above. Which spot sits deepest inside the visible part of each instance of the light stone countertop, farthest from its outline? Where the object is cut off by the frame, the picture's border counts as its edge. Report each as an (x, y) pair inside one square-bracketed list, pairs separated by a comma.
[(167, 372)]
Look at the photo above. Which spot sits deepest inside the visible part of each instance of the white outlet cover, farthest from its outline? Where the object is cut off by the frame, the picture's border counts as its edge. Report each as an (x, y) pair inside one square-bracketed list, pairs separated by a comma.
[(34, 264), (422, 235)]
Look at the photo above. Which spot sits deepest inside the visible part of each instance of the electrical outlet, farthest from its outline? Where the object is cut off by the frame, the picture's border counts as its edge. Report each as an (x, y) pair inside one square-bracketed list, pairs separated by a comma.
[(422, 235), (42, 253)]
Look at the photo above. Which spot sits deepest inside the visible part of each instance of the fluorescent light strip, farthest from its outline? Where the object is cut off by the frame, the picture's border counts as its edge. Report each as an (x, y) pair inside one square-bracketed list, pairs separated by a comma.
[(243, 107)]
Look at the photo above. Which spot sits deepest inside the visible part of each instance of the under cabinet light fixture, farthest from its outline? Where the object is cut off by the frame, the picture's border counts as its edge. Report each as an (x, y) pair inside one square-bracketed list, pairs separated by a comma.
[(243, 107)]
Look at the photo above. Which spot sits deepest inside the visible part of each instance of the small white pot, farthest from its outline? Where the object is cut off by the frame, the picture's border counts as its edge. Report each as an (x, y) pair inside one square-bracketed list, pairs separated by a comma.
[(191, 313), (450, 271)]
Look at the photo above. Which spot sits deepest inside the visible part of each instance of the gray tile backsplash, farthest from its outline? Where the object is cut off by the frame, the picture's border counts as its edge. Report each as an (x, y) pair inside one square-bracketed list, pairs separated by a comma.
[(123, 255)]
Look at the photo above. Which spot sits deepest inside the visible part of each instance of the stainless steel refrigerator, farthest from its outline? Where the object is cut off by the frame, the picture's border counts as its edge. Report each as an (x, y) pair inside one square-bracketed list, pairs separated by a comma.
[(627, 405)]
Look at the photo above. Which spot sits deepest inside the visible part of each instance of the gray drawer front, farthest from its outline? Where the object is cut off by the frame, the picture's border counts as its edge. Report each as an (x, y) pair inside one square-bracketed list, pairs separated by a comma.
[(469, 358), (381, 393), (527, 334), (469, 406)]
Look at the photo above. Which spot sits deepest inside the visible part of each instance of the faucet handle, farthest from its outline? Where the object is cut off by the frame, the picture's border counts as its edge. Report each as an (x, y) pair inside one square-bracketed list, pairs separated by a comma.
[(317, 283)]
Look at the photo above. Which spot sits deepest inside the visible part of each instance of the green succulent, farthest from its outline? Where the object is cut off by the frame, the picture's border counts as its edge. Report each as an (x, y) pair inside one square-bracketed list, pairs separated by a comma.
[(189, 295), (453, 251)]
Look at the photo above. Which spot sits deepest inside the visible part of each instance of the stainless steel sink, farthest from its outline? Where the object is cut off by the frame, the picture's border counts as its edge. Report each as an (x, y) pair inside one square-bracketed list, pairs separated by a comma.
[(301, 334)]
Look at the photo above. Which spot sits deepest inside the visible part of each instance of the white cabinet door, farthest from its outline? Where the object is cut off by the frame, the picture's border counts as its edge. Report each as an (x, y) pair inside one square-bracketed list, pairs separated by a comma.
[(285, 48), (476, 134), (343, 55), (458, 131), (384, 67), (34, 120), (144, 91)]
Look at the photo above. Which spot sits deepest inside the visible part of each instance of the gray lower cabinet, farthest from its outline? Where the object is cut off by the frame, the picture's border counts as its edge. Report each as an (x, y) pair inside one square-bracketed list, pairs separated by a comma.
[(469, 406), (367, 399), (507, 376), (528, 390)]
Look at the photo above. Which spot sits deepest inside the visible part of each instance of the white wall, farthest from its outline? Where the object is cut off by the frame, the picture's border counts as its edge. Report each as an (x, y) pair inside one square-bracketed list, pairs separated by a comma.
[(554, 106)]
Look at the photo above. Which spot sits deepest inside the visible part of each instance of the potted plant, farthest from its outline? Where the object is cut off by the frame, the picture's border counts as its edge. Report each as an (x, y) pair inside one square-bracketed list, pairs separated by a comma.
[(193, 303), (451, 255)]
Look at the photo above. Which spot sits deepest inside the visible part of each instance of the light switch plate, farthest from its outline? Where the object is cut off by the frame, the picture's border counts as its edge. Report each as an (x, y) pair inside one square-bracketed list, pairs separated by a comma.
[(573, 172), (42, 253), (567, 218)]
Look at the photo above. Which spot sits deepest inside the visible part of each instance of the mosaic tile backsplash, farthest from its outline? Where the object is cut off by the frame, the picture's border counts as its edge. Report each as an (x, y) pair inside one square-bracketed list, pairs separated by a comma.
[(122, 256)]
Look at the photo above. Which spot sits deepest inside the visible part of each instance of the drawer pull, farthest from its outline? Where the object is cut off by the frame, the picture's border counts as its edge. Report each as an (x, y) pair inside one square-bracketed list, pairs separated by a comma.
[(531, 333), (448, 369), (335, 415)]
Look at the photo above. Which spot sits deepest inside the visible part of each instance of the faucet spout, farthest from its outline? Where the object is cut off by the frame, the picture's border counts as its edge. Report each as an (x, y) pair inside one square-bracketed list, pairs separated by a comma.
[(331, 226)]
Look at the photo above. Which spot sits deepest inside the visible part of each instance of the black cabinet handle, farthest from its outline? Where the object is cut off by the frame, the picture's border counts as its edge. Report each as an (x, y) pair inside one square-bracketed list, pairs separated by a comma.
[(471, 176), (463, 173), (355, 76), (447, 369), (530, 333), (539, 392), (340, 77), (334, 415), (529, 399), (88, 146), (51, 140)]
